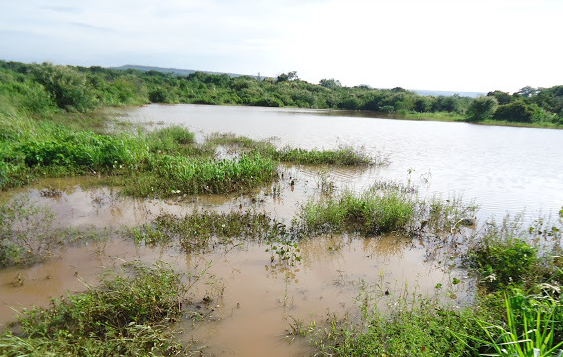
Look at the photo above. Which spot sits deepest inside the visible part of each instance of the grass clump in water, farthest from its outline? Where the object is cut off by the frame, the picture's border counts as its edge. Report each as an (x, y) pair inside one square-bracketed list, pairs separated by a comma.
[(176, 140), (369, 213), (344, 156), (129, 315), (201, 229), (166, 176)]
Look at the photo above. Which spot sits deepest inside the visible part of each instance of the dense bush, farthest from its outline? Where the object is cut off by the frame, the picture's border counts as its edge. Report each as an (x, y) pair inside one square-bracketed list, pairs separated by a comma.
[(45, 87)]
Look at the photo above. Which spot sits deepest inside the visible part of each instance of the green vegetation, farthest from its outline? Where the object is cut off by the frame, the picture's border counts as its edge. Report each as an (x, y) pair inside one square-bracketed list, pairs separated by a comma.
[(45, 88), (518, 309), (482, 108), (385, 207), (507, 255), (422, 327), (199, 230), (26, 234), (531, 332), (167, 175), (163, 163), (129, 315), (370, 213), (344, 156)]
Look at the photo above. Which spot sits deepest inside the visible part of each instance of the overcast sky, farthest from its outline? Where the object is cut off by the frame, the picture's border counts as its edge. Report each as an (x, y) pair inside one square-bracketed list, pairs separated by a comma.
[(460, 45)]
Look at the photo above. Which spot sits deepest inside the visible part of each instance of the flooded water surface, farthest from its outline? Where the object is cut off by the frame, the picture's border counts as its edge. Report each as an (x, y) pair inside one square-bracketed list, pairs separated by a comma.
[(250, 299), (505, 169)]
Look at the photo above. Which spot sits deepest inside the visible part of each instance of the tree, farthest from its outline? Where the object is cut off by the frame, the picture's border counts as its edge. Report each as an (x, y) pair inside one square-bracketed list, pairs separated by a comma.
[(291, 76), (527, 92), (482, 108), (517, 111), (330, 83), (502, 97), (68, 87)]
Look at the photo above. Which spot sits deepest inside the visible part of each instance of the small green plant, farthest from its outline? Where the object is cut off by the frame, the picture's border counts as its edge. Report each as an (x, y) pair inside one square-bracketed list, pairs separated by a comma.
[(282, 245)]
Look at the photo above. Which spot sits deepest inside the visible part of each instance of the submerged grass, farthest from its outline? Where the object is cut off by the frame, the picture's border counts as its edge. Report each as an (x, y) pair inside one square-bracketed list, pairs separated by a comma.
[(129, 315), (200, 230), (505, 255), (28, 235), (343, 156)]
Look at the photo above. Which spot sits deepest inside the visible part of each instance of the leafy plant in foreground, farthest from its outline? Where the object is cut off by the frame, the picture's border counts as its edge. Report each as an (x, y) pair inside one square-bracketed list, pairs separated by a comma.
[(531, 336)]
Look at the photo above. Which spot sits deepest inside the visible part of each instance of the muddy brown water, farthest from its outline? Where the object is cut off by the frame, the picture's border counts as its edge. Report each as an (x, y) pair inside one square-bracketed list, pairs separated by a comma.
[(253, 300)]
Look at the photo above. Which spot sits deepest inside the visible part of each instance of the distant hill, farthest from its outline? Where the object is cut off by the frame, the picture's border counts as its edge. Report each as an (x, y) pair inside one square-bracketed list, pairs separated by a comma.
[(175, 71), (447, 93)]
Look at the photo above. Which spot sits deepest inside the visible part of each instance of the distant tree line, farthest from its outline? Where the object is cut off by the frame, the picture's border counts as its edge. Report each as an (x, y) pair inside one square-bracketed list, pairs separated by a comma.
[(43, 87)]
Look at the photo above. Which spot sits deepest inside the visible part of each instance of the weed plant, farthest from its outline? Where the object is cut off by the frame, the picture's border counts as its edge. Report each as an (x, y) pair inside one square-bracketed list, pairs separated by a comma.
[(129, 315)]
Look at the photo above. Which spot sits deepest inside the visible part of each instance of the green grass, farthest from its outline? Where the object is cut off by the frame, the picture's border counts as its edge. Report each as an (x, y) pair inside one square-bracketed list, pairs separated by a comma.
[(166, 176), (508, 255), (369, 213), (432, 116), (343, 156), (422, 327), (527, 332), (129, 315)]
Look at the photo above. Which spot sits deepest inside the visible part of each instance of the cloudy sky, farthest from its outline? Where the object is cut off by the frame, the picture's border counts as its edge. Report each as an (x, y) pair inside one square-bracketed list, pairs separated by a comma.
[(460, 45)]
